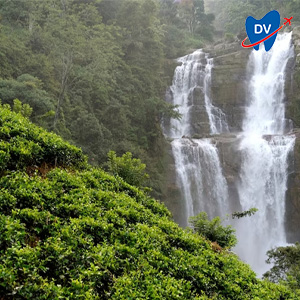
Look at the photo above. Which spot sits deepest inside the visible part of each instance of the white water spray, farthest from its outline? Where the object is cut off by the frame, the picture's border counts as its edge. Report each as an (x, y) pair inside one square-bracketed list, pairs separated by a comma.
[(265, 148), (265, 151), (200, 177), (217, 119), (194, 73), (266, 111), (198, 169)]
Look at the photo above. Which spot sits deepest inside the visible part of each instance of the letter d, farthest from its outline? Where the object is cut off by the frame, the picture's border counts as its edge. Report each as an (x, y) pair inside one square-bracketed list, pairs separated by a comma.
[(256, 29)]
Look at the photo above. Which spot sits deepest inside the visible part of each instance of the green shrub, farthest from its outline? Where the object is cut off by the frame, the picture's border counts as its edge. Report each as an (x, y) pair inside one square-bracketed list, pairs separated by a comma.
[(229, 37), (24, 109), (132, 170), (24, 145), (92, 236), (84, 234), (214, 230)]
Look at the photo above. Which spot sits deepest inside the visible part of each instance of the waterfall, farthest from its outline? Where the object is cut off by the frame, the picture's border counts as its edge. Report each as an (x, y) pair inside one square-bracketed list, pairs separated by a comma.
[(265, 148), (262, 157), (190, 89), (200, 177), (198, 169), (265, 113), (217, 119)]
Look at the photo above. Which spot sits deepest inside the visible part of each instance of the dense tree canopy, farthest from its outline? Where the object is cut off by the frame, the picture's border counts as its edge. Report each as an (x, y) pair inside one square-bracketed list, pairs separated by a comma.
[(285, 266), (96, 71), (231, 14)]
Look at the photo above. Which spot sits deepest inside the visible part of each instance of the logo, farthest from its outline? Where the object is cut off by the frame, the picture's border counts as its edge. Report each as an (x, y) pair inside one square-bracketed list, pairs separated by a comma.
[(264, 30)]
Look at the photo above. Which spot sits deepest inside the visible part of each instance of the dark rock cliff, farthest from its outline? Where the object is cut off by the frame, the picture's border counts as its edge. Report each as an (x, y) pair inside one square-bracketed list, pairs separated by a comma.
[(293, 113), (228, 83)]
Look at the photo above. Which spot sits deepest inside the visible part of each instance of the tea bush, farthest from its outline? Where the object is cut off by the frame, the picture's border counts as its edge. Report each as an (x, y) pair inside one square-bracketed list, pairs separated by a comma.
[(83, 234), (23, 145)]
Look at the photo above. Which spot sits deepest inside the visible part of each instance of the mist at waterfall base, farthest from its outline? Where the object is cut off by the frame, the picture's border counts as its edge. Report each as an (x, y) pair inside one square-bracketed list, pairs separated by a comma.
[(265, 147)]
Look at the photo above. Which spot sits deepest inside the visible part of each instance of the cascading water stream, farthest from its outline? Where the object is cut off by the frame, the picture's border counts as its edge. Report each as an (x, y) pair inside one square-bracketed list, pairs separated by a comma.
[(265, 148), (200, 177), (265, 113), (217, 119), (191, 83), (198, 168)]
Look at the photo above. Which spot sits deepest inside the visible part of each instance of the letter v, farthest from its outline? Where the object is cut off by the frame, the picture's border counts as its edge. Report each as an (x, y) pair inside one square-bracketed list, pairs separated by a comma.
[(267, 31)]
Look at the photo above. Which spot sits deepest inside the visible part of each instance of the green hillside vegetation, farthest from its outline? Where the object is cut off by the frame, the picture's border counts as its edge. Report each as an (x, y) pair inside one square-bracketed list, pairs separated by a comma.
[(230, 15), (96, 71), (70, 231), (24, 146)]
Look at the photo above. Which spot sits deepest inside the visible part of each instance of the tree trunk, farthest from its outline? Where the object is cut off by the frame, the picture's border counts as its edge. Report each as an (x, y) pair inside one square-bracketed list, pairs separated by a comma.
[(67, 62)]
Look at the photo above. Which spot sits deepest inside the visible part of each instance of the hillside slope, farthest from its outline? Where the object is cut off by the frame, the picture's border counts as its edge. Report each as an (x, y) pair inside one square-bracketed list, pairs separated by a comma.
[(68, 231)]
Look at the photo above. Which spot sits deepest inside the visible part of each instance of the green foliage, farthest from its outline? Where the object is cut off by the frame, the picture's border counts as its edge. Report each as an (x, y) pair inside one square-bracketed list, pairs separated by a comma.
[(29, 91), (132, 170), (186, 25), (231, 14), (93, 236), (285, 266), (84, 234), (24, 146), (191, 13), (78, 63), (292, 7), (24, 109), (246, 213), (214, 230), (229, 37)]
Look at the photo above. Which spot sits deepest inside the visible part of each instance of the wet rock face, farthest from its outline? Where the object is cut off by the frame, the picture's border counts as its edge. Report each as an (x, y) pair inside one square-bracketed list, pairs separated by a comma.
[(199, 120), (293, 195), (198, 116), (172, 195), (293, 104), (230, 158), (229, 76)]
